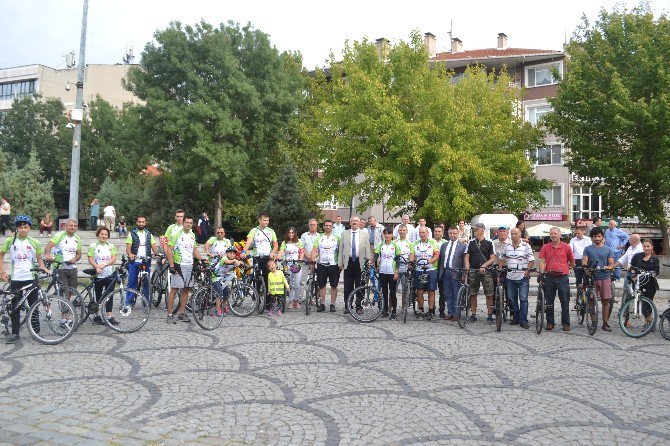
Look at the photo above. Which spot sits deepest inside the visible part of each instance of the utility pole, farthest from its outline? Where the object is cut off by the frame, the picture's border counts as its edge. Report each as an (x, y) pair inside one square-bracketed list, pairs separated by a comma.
[(77, 117)]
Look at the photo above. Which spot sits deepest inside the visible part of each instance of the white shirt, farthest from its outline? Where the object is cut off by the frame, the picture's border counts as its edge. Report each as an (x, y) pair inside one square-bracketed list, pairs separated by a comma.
[(628, 255), (109, 211), (415, 233), (449, 253), (517, 258), (5, 209), (578, 246)]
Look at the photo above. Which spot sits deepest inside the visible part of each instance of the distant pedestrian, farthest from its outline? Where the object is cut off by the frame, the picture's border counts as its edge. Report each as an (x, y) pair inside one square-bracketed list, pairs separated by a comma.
[(46, 224), (203, 228), (5, 210), (122, 227), (94, 214), (109, 215)]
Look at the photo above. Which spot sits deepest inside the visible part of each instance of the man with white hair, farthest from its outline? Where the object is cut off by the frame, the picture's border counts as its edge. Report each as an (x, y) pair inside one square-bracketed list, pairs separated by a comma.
[(615, 239), (422, 224)]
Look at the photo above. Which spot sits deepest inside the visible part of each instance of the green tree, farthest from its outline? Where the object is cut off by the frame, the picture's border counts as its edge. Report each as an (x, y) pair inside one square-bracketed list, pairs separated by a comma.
[(612, 110), (38, 125), (26, 189), (287, 202), (395, 127), (217, 100)]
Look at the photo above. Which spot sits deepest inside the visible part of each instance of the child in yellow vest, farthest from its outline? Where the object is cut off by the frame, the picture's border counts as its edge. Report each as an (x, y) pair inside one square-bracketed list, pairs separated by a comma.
[(277, 286)]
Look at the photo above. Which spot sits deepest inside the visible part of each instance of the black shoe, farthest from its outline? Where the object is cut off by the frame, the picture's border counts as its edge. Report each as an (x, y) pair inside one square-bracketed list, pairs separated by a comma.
[(113, 321), (332, 308), (183, 317), (420, 314), (489, 320), (472, 318), (442, 315), (514, 322), (524, 325), (429, 316), (393, 316), (11, 339), (321, 308), (385, 314), (346, 311), (97, 320)]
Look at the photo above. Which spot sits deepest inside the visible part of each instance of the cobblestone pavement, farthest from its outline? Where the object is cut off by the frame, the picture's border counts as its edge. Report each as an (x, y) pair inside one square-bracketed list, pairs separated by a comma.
[(325, 379)]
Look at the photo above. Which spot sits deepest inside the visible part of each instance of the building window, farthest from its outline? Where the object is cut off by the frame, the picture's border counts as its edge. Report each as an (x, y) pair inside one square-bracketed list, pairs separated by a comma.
[(535, 114), (585, 204), (330, 204), (17, 89), (554, 196), (540, 75), (549, 155)]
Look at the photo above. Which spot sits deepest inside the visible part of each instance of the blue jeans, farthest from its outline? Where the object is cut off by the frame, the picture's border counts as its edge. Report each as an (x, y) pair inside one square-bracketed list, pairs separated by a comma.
[(133, 272), (451, 287), (517, 292), (617, 270)]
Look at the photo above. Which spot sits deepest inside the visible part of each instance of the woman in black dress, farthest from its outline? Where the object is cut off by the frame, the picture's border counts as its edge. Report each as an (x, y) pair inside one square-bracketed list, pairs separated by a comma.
[(647, 261)]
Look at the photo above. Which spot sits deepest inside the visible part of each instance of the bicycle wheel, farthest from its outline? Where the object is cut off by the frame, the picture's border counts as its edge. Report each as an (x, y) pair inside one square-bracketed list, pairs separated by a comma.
[(204, 308), (499, 307), (404, 299), (463, 306), (591, 312), (157, 288), (86, 304), (243, 299), (370, 306), (540, 310), (632, 320), (581, 306), (311, 291), (664, 324), (129, 313), (259, 284), (74, 297), (48, 316)]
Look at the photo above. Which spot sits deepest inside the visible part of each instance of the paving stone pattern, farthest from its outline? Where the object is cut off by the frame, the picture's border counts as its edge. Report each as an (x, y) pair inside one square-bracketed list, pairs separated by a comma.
[(326, 379)]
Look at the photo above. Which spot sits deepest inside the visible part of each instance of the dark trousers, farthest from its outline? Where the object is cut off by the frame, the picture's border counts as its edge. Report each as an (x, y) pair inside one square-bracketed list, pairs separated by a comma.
[(16, 315), (279, 299), (101, 287), (94, 222), (5, 223), (389, 288), (352, 279), (443, 294), (451, 288), (552, 285), (579, 273)]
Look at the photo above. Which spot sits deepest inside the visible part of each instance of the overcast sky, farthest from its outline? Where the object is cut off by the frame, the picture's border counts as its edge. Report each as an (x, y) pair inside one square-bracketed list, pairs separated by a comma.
[(43, 31)]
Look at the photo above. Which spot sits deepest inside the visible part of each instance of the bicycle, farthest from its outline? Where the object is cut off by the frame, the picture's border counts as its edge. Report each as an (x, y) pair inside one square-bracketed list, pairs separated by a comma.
[(207, 302), (587, 308), (159, 280), (311, 288), (370, 306), (253, 277), (664, 323), (408, 292), (500, 300), (463, 296), (56, 286), (47, 326), (423, 280), (541, 304), (631, 312)]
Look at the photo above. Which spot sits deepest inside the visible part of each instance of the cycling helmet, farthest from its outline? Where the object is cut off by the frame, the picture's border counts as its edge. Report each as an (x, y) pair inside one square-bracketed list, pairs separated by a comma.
[(23, 219), (231, 249)]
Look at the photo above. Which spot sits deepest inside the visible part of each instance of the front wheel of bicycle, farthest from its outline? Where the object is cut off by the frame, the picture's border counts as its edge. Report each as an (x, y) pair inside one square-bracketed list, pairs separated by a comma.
[(49, 319), (207, 308), (74, 297), (130, 310), (157, 287), (664, 324), (370, 306), (311, 293), (85, 303), (499, 307), (463, 306), (632, 320), (243, 299), (540, 310), (591, 311)]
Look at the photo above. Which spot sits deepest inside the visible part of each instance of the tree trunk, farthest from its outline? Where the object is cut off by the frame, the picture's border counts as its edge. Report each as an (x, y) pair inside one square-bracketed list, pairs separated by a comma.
[(218, 214), (663, 223)]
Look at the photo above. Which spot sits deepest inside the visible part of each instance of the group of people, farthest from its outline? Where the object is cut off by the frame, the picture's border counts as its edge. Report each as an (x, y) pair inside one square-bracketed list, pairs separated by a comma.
[(442, 263)]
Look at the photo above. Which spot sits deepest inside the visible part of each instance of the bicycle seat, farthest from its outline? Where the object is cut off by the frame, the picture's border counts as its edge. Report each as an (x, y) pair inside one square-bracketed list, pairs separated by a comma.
[(89, 271)]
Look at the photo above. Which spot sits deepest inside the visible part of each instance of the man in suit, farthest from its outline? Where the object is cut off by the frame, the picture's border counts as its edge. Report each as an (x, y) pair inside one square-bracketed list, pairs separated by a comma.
[(354, 250), (375, 233), (452, 254)]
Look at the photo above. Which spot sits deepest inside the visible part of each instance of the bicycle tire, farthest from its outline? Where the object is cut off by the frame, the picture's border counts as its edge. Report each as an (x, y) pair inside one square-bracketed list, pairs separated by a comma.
[(74, 296), (46, 314), (540, 310), (634, 331), (243, 299), (130, 317), (156, 288), (204, 308), (22, 319), (259, 284), (581, 307), (87, 304), (499, 307), (404, 299), (591, 312), (463, 306), (664, 324), (371, 304)]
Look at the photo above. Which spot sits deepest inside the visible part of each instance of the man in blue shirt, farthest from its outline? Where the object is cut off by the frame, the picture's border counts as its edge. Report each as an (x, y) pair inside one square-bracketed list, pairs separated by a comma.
[(598, 255), (615, 239)]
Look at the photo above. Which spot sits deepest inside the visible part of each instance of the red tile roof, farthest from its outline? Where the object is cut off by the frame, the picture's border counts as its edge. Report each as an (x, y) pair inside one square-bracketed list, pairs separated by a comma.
[(490, 52)]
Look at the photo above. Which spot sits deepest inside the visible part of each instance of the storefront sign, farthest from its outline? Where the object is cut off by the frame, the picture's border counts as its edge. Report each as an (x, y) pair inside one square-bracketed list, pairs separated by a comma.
[(546, 216)]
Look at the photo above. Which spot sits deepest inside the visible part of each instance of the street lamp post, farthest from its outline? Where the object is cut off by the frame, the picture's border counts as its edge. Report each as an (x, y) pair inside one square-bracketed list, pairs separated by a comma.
[(77, 116)]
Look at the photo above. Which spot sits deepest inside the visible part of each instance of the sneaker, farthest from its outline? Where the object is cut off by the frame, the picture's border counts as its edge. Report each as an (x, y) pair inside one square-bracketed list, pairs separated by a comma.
[(566, 327), (321, 308), (112, 321), (219, 312), (332, 308), (11, 339), (429, 316), (97, 320), (183, 317), (472, 318), (442, 315), (489, 319), (278, 312), (393, 315), (63, 323), (514, 322), (606, 327), (420, 314), (385, 314)]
